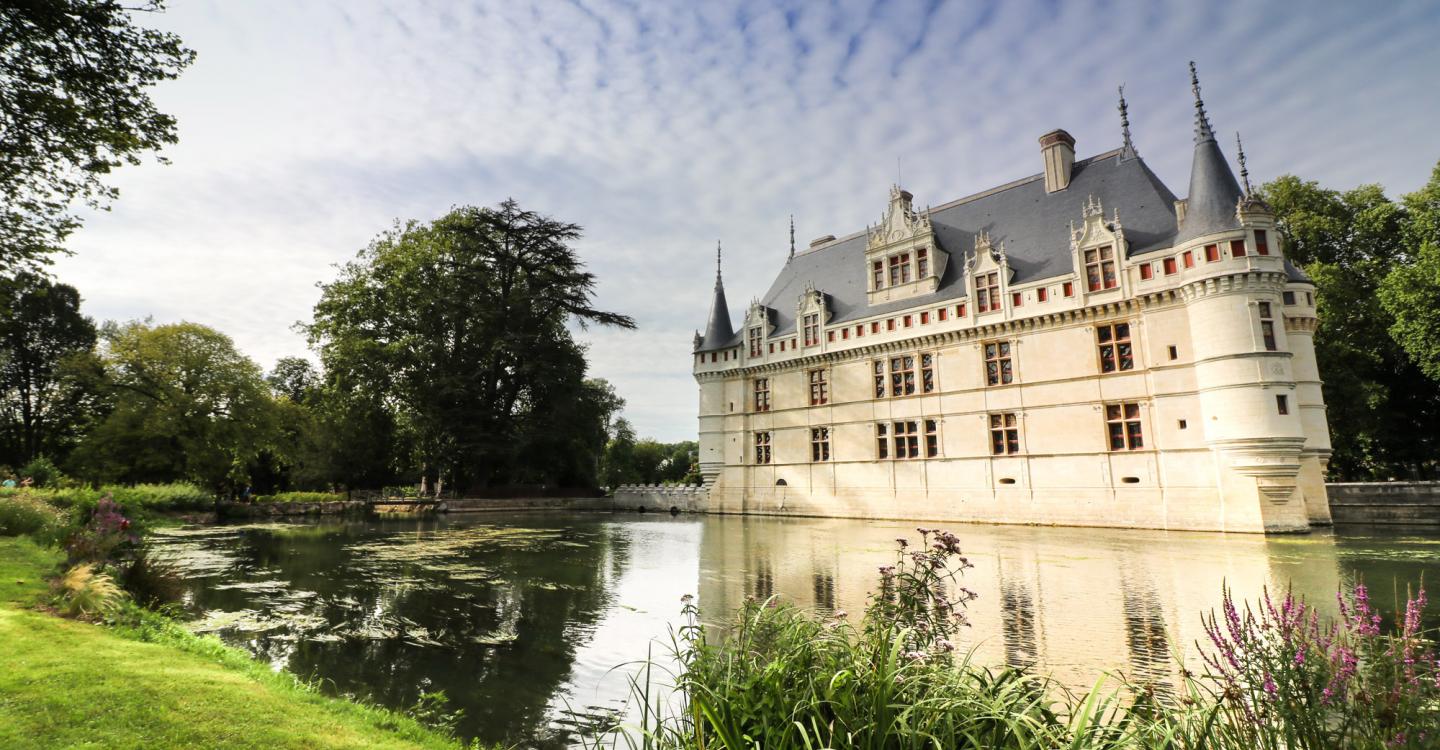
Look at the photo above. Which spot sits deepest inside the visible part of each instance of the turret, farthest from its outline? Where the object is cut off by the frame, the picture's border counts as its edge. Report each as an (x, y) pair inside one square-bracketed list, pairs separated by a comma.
[(718, 330), (1214, 193)]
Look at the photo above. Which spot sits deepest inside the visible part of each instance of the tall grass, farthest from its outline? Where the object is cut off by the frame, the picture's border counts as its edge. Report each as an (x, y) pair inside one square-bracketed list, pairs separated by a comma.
[(780, 677), (135, 498)]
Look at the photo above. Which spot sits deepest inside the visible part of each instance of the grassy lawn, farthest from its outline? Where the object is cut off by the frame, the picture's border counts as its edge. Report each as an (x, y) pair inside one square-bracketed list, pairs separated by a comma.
[(67, 684)]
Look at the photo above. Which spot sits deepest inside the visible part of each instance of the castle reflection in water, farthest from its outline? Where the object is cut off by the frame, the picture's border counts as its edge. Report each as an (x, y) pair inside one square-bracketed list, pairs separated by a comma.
[(1072, 602)]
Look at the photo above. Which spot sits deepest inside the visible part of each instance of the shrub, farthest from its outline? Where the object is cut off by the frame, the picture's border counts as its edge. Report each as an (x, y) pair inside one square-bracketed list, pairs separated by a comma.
[(24, 512), (160, 497), (105, 533), (42, 472), (83, 592), (153, 583)]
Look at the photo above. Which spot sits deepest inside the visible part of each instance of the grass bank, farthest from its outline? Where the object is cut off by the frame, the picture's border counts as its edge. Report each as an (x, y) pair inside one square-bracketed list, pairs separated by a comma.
[(148, 683)]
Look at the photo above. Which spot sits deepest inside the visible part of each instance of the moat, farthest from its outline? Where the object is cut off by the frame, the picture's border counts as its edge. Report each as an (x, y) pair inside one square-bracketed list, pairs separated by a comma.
[(520, 618)]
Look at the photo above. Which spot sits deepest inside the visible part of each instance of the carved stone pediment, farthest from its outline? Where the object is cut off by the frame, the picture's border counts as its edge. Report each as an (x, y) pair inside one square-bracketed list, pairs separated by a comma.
[(902, 257), (1094, 230), (900, 223), (812, 301)]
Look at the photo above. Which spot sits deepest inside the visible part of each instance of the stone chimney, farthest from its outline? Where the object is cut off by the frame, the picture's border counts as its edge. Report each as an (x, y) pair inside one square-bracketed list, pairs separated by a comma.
[(1058, 149)]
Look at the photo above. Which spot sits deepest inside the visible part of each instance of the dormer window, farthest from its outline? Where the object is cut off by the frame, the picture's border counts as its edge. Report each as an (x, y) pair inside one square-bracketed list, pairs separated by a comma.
[(1100, 268), (755, 337), (877, 277), (987, 296), (812, 329), (922, 263), (900, 269)]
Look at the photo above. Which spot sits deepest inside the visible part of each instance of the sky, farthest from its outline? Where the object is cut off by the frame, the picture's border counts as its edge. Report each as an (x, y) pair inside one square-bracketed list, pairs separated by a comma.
[(307, 128)]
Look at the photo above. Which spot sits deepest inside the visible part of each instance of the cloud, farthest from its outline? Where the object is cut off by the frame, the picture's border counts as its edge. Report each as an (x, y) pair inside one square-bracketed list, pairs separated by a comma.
[(308, 128)]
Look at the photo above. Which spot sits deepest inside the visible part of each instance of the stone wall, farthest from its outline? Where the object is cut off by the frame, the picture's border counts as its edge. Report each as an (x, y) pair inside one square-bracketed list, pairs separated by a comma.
[(269, 510), (685, 498), (1385, 502)]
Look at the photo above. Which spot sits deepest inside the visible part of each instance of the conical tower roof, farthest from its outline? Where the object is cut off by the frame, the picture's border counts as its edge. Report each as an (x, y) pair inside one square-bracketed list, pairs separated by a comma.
[(718, 330), (1214, 192)]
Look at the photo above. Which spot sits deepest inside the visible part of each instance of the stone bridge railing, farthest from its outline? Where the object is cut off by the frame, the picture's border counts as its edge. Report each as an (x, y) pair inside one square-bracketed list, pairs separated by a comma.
[(1385, 502), (684, 498)]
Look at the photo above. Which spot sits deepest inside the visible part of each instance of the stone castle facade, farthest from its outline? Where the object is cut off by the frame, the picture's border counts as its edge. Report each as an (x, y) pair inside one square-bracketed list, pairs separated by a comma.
[(1078, 347)]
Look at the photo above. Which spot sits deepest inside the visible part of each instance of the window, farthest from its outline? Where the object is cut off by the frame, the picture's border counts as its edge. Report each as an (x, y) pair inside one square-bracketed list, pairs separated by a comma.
[(1042, 294), (830, 336), (1122, 426), (988, 292), (927, 373), (844, 334), (879, 378), (1188, 258), (1237, 248), (943, 313), (1267, 326), (859, 331), (900, 269), (762, 394), (1309, 299), (762, 447), (875, 327), (819, 389), (998, 369), (922, 263), (1004, 434), (906, 439), (924, 318), (1288, 298), (1100, 268), (890, 324), (1169, 266), (877, 274), (812, 329), (902, 375), (1212, 253), (1261, 246), (782, 346), (1182, 424), (909, 320), (1069, 288), (755, 338), (960, 310), (772, 347), (1147, 272), (1174, 352), (1016, 299), (932, 438), (1115, 351), (819, 443), (1282, 404), (882, 442)]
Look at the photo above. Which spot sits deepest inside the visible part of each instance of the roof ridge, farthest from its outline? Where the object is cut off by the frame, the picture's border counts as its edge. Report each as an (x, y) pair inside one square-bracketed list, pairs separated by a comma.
[(973, 197)]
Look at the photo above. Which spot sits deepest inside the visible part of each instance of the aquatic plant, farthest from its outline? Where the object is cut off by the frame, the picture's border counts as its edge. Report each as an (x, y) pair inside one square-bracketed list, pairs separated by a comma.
[(84, 592), (1277, 676)]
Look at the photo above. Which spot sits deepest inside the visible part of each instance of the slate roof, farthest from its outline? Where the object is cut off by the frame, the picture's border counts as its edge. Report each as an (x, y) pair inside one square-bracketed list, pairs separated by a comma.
[(1032, 224), (718, 332)]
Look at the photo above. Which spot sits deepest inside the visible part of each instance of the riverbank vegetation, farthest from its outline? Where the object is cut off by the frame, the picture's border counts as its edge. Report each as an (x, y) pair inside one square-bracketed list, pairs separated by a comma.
[(1273, 675), (137, 679)]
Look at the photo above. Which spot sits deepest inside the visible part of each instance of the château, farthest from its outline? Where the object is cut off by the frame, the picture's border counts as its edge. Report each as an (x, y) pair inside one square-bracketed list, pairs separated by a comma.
[(1078, 347)]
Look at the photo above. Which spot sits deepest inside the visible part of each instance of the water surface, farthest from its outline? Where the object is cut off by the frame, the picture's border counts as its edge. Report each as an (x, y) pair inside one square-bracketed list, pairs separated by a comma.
[(521, 618)]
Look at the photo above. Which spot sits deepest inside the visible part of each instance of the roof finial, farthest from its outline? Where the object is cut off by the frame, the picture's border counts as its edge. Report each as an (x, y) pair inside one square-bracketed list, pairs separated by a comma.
[(1128, 151), (1202, 122), (717, 261), (1244, 173), (792, 236)]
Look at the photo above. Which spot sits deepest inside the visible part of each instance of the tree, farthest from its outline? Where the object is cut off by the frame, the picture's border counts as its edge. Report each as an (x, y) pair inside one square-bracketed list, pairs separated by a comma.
[(40, 409), (1384, 413), (459, 328), (294, 378), (1410, 292), (74, 104), (185, 405)]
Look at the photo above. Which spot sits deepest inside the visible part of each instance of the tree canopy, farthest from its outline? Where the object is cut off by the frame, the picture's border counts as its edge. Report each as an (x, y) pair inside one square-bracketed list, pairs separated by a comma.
[(41, 330), (74, 104), (1377, 291), (183, 404), (458, 328)]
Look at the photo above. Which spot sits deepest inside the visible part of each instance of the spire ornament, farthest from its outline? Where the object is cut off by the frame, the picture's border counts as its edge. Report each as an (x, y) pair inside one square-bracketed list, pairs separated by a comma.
[(1127, 150), (792, 236), (717, 262), (1244, 173), (1202, 122)]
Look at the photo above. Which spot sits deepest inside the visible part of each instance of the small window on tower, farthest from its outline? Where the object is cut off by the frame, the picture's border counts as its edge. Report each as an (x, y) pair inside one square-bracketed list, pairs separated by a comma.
[(1237, 248), (1069, 289), (1282, 404), (943, 313), (1288, 297), (1212, 253), (924, 318), (1147, 272), (1189, 259), (1262, 247), (1169, 266), (1016, 299), (1042, 294)]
